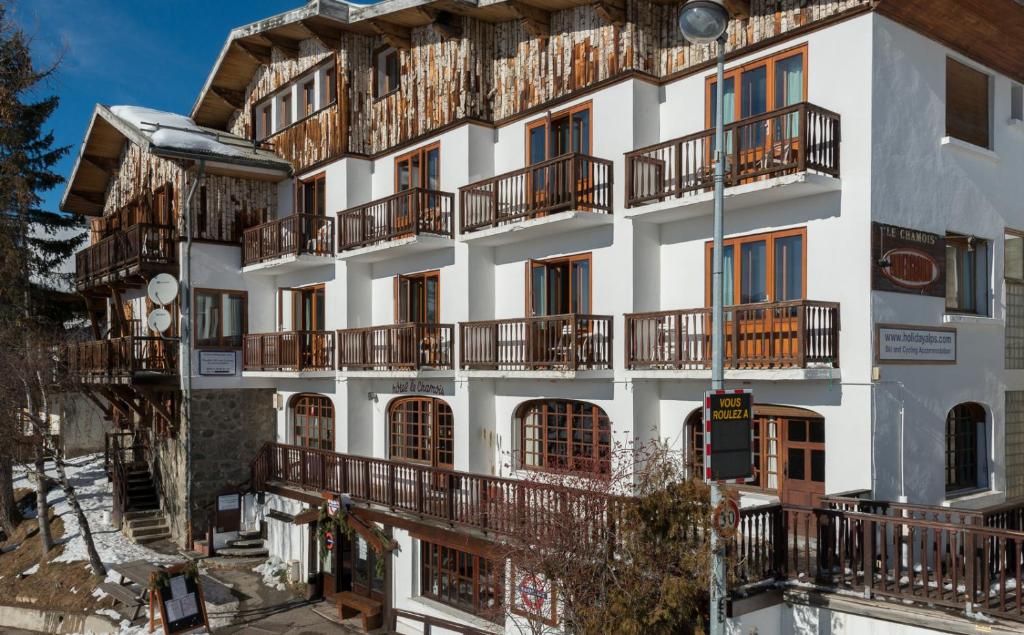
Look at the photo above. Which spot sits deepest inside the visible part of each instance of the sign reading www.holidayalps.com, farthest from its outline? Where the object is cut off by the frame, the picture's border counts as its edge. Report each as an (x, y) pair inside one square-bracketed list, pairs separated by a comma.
[(903, 344), (728, 418)]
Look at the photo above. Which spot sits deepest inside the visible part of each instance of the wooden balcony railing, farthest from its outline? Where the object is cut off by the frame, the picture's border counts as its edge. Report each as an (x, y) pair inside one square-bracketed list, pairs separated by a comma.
[(289, 236), (407, 213), (125, 253), (289, 351), (793, 139), (410, 346), (123, 357), (556, 342), (793, 334), (569, 182)]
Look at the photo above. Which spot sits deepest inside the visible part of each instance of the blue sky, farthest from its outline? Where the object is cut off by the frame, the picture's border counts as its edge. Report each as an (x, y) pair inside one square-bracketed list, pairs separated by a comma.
[(154, 53)]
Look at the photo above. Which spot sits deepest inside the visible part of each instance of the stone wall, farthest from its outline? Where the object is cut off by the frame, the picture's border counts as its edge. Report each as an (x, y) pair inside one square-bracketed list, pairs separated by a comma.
[(228, 429)]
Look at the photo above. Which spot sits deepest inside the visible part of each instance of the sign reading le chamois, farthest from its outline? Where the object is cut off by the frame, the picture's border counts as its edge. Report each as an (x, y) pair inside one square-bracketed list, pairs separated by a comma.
[(728, 417), (907, 261)]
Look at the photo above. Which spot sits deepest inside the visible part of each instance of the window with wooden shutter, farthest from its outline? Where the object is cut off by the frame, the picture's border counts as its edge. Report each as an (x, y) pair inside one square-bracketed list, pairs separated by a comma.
[(967, 104)]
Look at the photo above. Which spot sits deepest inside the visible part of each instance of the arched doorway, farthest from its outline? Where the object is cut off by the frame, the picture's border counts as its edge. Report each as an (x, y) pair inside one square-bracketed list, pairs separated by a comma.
[(788, 452), (966, 446), (313, 421), (421, 430), (562, 434)]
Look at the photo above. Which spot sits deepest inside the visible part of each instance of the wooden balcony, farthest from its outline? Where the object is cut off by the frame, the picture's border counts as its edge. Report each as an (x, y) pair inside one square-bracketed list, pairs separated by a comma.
[(558, 342), (402, 215), (798, 138), (571, 182), (288, 351), (127, 256), (411, 346), (794, 334), (123, 359), (295, 235)]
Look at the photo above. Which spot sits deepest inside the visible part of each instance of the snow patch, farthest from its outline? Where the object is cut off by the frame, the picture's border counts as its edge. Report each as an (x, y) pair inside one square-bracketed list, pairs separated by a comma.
[(273, 571), (33, 569), (170, 130)]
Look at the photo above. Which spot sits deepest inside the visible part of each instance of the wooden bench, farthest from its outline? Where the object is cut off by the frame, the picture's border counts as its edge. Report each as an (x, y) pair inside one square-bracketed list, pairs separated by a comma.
[(350, 604), (132, 600)]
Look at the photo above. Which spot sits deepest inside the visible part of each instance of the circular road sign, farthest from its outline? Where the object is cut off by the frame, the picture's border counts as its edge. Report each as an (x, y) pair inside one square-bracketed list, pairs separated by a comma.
[(329, 541), (159, 320), (162, 289), (726, 518)]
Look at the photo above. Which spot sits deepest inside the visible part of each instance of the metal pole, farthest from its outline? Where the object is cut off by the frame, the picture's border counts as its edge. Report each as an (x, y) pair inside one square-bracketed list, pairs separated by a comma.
[(717, 331)]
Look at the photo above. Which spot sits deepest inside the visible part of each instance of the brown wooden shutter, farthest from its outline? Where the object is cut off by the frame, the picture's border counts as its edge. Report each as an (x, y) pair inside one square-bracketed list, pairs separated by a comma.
[(967, 104)]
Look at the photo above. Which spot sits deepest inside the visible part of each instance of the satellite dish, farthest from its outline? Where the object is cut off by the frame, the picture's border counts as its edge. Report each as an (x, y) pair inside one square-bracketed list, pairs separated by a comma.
[(162, 289), (159, 320)]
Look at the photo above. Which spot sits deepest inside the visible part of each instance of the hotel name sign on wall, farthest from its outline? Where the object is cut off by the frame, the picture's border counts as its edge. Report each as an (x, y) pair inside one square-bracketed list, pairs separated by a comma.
[(904, 344), (907, 261)]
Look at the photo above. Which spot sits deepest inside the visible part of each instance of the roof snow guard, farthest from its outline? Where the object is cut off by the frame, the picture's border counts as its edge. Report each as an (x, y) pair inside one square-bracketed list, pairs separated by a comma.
[(164, 134)]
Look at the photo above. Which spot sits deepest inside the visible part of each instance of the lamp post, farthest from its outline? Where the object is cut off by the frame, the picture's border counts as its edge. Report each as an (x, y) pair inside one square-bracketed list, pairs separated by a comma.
[(703, 22)]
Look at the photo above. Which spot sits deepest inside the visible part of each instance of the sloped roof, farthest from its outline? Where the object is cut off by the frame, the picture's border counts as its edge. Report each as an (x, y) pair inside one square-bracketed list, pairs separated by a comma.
[(162, 133)]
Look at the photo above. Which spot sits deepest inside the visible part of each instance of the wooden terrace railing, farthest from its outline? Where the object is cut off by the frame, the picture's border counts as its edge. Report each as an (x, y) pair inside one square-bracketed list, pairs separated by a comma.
[(797, 138), (289, 236), (793, 334), (288, 351), (556, 342), (409, 346), (569, 182), (125, 253), (407, 213), (427, 623), (123, 357)]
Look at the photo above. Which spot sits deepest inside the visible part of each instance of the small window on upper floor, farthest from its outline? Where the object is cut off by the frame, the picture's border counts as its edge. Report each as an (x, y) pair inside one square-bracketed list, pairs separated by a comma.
[(328, 86), (1013, 255), (264, 121), (284, 112), (308, 97), (968, 109), (388, 71), (1017, 102), (311, 195), (967, 266)]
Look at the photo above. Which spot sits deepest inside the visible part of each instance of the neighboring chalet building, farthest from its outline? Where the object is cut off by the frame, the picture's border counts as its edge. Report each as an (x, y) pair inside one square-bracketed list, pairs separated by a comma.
[(423, 237)]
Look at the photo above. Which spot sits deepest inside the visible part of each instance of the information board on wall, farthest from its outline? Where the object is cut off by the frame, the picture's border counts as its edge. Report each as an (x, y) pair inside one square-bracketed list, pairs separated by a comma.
[(217, 363), (903, 344), (728, 418), (905, 260)]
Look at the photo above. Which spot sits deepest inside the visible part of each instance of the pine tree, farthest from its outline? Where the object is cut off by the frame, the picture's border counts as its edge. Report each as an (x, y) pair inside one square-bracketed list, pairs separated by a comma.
[(34, 242)]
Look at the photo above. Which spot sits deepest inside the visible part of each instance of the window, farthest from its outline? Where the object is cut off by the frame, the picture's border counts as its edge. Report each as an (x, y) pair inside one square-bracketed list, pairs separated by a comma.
[(558, 134), (388, 72), (311, 195), (967, 104), (966, 274), (285, 111), (313, 421), (1013, 255), (1017, 102), (755, 88), (421, 430), (559, 286), (308, 98), (220, 318), (328, 86), (564, 435), (265, 123), (419, 168), (761, 267), (418, 298), (965, 442), (463, 580)]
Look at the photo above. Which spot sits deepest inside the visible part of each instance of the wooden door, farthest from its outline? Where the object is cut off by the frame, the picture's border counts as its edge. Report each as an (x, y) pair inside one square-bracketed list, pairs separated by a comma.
[(310, 317), (360, 567), (803, 455), (331, 570)]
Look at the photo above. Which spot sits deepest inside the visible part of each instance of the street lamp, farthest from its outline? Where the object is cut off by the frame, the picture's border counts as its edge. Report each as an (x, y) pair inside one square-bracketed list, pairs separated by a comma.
[(703, 22)]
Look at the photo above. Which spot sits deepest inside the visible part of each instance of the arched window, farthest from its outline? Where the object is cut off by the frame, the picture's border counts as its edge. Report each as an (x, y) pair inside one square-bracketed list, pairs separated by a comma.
[(558, 434), (964, 425), (313, 421), (421, 430)]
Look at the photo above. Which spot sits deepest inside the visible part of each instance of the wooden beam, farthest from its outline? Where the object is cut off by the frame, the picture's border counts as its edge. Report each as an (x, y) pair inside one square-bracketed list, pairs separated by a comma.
[(537, 22), (118, 401), (120, 327), (104, 163), (106, 409), (738, 8), (611, 11), (96, 198), (154, 402), (233, 98), (330, 38), (258, 54), (447, 25), (396, 36), (287, 46)]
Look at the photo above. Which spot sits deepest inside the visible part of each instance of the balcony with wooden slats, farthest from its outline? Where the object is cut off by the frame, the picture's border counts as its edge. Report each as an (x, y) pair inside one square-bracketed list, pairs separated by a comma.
[(798, 334), (566, 193), (289, 243), (775, 156), (530, 346), (413, 220), (289, 352), (131, 256), (411, 347), (123, 360)]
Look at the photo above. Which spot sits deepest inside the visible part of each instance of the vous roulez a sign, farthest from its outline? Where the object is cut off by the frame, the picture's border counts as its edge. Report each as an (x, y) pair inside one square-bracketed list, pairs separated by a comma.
[(901, 344), (728, 421)]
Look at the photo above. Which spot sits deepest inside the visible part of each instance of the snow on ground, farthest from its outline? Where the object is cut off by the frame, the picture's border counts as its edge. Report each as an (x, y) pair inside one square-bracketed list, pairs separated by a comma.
[(273, 571), (89, 479)]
